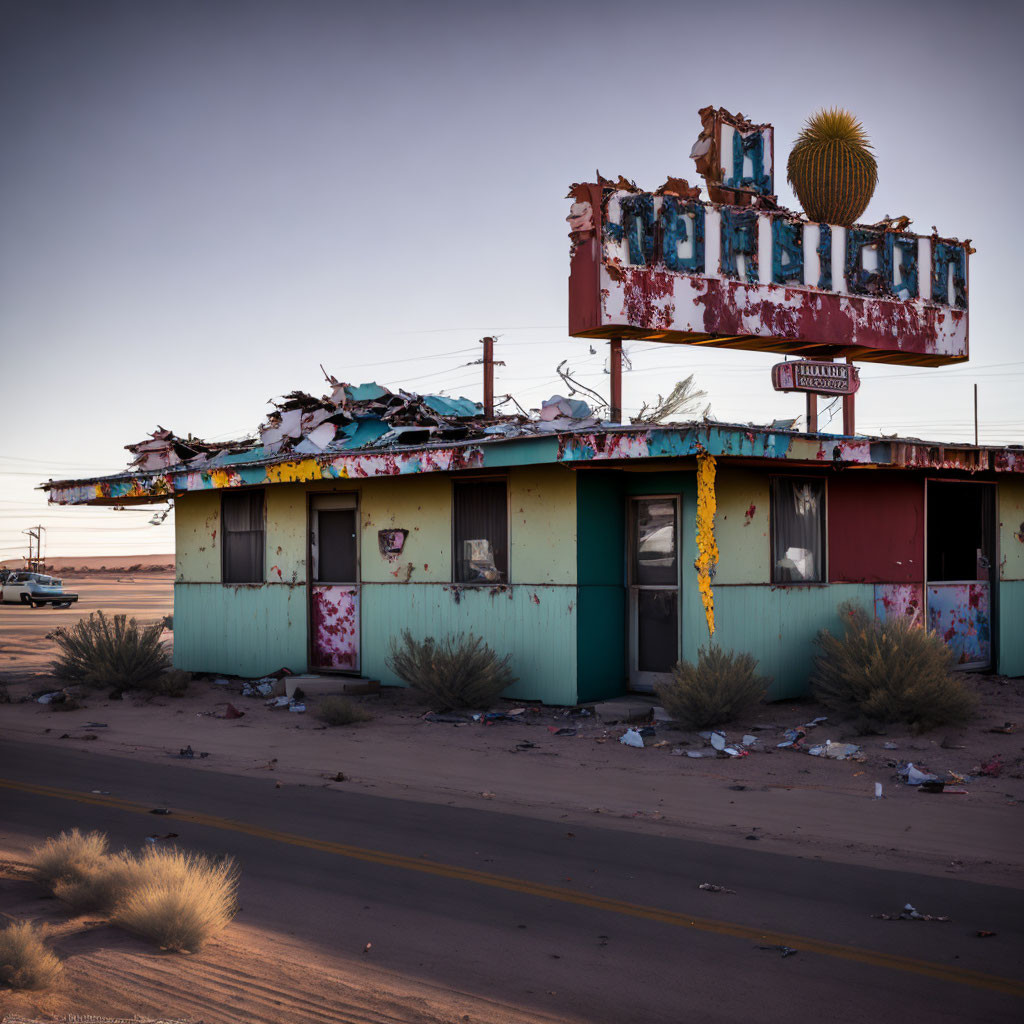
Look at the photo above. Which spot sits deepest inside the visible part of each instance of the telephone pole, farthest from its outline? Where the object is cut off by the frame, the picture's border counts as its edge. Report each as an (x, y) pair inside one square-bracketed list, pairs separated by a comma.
[(35, 533)]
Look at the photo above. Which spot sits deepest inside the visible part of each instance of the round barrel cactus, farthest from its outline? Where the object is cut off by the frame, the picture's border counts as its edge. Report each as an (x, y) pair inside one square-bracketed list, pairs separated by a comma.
[(832, 169)]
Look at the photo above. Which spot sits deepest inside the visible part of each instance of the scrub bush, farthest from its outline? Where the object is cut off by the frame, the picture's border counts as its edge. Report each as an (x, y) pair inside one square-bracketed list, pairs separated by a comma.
[(179, 900), (99, 887), (889, 672), (168, 684), (341, 711), (70, 855), (719, 688), (458, 671), (25, 962), (100, 651)]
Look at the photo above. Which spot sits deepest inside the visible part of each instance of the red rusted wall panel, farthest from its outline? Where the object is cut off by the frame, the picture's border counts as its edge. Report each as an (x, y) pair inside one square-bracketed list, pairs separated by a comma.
[(875, 528)]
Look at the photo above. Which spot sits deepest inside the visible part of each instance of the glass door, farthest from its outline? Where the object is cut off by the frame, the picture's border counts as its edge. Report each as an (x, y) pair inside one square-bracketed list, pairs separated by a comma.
[(653, 589)]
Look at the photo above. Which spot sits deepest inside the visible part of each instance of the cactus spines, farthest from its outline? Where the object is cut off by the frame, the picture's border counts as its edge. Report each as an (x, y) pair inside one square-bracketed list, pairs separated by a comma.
[(832, 169)]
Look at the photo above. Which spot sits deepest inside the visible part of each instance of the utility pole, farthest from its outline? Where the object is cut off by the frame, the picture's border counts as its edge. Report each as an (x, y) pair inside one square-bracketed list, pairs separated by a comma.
[(488, 344), (975, 415), (36, 533), (615, 371)]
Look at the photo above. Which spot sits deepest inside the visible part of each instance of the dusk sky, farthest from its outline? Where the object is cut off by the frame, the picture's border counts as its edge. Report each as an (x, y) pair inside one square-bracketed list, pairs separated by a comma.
[(202, 202)]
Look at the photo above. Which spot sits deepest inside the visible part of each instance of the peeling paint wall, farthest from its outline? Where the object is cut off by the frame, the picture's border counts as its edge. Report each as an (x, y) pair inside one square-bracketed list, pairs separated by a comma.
[(285, 556), (197, 538), (1011, 530), (542, 525), (742, 527)]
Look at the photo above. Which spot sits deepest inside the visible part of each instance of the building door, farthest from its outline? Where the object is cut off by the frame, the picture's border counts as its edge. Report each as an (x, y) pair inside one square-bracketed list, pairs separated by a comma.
[(334, 583), (961, 568), (653, 576)]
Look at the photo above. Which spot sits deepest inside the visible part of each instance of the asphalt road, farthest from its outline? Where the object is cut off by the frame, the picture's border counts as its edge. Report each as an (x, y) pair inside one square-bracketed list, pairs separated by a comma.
[(588, 923)]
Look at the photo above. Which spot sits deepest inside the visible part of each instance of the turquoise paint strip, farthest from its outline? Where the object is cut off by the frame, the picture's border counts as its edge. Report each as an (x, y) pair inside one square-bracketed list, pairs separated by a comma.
[(1010, 661)]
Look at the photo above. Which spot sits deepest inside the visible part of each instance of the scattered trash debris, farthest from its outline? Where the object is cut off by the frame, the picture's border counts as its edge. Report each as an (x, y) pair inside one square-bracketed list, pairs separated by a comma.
[(910, 913), (931, 786), (632, 738), (487, 795), (915, 777), (718, 740), (338, 777), (525, 745), (739, 789), (837, 751), (296, 708), (890, 745), (749, 741), (261, 688), (878, 791), (993, 768), (711, 887), (49, 698), (95, 725), (784, 950), (230, 711), (222, 682), (101, 792), (985, 935), (154, 838), (753, 837), (160, 810), (434, 716), (692, 753), (1007, 728), (367, 947), (566, 731), (278, 702), (188, 752)]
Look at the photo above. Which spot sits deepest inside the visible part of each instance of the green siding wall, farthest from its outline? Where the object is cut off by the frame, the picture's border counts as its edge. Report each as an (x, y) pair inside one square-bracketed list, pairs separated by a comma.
[(1011, 628), (1011, 531), (534, 624), (242, 630), (777, 625)]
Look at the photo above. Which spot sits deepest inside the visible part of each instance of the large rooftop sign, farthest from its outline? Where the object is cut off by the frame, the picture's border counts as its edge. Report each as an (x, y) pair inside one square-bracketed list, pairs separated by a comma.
[(742, 273)]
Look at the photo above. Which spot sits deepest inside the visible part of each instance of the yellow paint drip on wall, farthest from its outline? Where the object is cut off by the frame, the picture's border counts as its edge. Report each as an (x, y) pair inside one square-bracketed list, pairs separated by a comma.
[(707, 548)]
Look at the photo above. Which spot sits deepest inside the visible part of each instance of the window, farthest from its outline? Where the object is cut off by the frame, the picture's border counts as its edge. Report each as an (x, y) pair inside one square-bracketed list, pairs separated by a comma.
[(798, 530), (242, 530), (480, 513)]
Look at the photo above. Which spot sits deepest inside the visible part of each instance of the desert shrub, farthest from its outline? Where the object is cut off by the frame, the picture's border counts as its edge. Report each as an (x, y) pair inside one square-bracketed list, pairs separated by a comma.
[(25, 962), (168, 622), (888, 672), (179, 900), (719, 688), (99, 886), (341, 711), (457, 671), (70, 855), (168, 684), (101, 651)]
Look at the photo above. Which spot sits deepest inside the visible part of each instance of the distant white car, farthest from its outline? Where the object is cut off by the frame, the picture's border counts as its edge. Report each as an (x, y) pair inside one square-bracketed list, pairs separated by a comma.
[(33, 588)]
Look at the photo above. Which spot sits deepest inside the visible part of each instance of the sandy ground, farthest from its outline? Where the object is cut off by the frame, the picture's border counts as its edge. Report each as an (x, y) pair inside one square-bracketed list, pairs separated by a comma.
[(244, 974), (87, 563), (23, 644)]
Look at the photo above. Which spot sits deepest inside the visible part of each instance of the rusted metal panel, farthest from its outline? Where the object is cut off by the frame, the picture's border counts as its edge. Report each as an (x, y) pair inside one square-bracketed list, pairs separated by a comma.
[(900, 600), (875, 528), (656, 267), (335, 633), (961, 614)]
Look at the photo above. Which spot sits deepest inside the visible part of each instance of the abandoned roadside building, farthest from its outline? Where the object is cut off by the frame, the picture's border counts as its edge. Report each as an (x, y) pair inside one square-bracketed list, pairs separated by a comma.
[(598, 554), (584, 550)]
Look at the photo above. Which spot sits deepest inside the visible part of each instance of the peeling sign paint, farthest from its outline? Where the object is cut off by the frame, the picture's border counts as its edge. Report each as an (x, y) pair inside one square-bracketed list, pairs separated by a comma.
[(707, 547), (961, 614), (900, 600)]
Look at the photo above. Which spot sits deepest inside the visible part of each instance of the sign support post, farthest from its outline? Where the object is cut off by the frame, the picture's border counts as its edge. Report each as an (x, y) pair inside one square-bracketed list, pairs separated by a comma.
[(849, 419), (615, 370)]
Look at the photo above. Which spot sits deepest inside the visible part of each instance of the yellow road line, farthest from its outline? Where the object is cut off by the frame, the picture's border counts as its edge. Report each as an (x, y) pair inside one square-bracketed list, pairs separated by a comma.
[(855, 954)]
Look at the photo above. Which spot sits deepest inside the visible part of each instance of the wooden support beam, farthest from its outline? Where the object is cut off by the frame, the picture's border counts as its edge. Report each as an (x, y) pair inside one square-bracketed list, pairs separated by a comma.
[(615, 370)]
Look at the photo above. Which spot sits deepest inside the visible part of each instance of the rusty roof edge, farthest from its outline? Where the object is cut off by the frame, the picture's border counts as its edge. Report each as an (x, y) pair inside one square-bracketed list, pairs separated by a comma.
[(902, 452)]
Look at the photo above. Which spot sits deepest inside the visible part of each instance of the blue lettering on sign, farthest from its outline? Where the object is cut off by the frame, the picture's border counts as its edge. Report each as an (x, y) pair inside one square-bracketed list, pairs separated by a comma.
[(859, 280), (824, 251), (787, 251), (750, 144), (944, 256), (906, 246), (676, 227), (739, 237)]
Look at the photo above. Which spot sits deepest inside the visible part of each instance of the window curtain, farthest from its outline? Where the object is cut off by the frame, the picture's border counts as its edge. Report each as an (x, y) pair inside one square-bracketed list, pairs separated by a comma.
[(242, 525), (481, 531), (798, 530)]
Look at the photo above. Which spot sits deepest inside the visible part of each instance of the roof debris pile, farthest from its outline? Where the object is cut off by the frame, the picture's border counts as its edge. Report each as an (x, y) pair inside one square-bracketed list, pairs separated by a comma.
[(355, 417)]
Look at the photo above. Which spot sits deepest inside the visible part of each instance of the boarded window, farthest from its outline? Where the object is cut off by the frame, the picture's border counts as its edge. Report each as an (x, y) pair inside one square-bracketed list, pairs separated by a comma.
[(243, 533), (798, 530), (481, 531)]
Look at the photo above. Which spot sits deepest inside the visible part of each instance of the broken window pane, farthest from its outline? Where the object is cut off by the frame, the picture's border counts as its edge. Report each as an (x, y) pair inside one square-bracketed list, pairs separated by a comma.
[(481, 531), (242, 529), (798, 530), (656, 542)]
